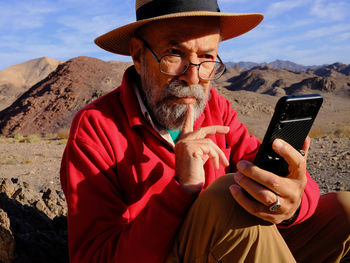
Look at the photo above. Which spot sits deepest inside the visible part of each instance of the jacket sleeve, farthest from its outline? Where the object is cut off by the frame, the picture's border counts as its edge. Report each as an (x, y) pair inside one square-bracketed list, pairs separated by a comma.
[(245, 147), (309, 202), (100, 228)]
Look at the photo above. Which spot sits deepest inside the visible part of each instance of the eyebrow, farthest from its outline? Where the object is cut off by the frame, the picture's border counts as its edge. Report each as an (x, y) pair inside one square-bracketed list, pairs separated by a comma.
[(175, 43)]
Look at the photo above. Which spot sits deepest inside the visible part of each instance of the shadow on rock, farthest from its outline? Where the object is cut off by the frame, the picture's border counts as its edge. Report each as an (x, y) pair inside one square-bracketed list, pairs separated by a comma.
[(28, 234)]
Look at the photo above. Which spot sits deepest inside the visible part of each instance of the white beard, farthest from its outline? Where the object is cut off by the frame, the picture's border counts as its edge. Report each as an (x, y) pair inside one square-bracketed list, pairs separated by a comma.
[(172, 115)]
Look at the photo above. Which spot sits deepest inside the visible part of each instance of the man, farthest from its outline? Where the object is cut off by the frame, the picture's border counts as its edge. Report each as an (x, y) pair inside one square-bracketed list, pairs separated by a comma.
[(144, 167)]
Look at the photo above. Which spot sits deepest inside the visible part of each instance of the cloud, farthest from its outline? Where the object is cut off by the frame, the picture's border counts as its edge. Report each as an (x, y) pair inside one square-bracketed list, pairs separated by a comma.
[(22, 15), (298, 30), (310, 54), (281, 7), (302, 23), (327, 55), (315, 46), (233, 1), (333, 10), (326, 31), (344, 36), (93, 25)]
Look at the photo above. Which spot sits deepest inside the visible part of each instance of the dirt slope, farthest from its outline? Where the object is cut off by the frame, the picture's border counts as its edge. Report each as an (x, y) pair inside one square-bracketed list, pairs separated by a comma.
[(17, 79)]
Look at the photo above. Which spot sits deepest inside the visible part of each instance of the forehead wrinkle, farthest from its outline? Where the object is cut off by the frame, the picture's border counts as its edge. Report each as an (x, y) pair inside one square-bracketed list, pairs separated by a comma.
[(176, 43)]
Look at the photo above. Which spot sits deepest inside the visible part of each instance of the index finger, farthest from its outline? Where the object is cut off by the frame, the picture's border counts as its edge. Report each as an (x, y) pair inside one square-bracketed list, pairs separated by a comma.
[(211, 130), (189, 120)]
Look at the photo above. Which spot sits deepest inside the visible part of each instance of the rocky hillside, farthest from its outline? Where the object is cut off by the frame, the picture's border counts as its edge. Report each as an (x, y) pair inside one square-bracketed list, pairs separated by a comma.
[(17, 79), (268, 80), (331, 69), (51, 104)]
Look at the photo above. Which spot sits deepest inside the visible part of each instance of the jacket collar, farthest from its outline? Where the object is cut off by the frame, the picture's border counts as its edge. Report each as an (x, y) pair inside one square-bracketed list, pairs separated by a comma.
[(129, 98)]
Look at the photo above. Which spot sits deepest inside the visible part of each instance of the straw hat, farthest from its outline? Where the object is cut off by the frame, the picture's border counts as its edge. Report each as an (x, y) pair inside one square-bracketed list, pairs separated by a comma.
[(231, 24)]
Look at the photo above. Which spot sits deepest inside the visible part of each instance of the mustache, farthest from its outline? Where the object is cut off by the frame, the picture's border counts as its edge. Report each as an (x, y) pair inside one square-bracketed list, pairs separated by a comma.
[(177, 89), (171, 115)]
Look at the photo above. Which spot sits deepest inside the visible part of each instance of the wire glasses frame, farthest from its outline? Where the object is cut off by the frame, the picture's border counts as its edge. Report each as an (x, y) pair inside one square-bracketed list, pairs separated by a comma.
[(175, 65)]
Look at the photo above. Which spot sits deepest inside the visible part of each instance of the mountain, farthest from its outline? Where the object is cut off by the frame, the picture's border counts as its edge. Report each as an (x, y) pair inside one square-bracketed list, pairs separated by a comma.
[(265, 80), (330, 70), (277, 64), (288, 65), (241, 64), (51, 104), (17, 79), (268, 80)]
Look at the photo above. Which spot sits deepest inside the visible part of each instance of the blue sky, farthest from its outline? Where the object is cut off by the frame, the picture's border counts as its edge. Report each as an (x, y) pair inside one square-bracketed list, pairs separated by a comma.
[(308, 32)]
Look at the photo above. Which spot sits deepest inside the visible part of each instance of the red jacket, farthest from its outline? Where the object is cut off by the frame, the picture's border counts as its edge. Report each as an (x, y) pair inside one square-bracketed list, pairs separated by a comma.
[(117, 174)]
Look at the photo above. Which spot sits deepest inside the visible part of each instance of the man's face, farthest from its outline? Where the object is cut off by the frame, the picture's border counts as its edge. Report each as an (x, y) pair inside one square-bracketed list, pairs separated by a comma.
[(167, 97)]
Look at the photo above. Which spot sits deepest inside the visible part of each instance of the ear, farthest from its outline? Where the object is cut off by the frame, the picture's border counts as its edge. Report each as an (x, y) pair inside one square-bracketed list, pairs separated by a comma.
[(135, 49)]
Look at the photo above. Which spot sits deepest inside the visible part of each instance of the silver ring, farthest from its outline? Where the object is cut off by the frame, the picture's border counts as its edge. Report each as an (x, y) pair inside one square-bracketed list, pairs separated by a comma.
[(276, 205)]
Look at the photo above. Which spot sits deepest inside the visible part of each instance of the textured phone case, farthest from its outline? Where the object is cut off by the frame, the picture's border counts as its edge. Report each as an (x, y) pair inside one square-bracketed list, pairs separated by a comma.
[(291, 122)]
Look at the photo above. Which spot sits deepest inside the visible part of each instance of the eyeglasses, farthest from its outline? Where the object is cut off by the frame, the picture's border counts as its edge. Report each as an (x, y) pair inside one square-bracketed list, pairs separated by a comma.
[(176, 65)]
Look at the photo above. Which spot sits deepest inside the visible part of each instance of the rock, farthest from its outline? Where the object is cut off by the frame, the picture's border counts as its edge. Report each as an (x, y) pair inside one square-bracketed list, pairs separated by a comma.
[(339, 186), (33, 226), (7, 240), (14, 180), (40, 205), (7, 187), (328, 163)]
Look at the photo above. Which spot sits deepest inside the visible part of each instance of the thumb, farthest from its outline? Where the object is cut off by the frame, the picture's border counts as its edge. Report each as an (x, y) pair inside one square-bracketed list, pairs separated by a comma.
[(306, 146), (296, 162)]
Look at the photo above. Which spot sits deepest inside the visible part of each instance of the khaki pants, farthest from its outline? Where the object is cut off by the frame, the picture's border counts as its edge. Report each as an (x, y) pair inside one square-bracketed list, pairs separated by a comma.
[(217, 229)]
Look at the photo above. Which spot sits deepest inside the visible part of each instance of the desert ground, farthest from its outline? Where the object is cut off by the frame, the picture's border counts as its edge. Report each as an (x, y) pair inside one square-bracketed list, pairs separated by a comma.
[(37, 163), (37, 160)]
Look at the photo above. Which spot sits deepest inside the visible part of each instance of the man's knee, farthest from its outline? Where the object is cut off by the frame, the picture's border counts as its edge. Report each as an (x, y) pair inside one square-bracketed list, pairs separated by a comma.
[(344, 201), (337, 205), (217, 199), (217, 194), (342, 206), (219, 202)]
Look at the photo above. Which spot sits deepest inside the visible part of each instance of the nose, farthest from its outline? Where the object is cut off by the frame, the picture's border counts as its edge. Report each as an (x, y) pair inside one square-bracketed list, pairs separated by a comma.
[(190, 77)]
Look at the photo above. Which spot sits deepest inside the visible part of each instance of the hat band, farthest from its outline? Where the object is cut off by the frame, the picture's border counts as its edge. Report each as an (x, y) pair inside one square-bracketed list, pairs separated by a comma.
[(160, 7)]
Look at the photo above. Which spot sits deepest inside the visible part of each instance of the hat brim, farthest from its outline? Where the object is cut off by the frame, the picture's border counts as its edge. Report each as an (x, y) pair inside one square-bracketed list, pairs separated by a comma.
[(231, 25)]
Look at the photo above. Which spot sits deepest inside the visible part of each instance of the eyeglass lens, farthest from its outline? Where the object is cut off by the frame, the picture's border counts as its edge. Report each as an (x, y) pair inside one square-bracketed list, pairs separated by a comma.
[(176, 65)]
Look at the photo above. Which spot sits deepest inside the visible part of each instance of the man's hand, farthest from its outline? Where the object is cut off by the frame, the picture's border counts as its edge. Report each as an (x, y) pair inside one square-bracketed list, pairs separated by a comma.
[(264, 186), (193, 150)]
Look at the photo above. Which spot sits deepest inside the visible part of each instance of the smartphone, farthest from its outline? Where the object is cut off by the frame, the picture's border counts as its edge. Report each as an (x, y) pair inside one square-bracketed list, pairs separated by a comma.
[(291, 122)]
